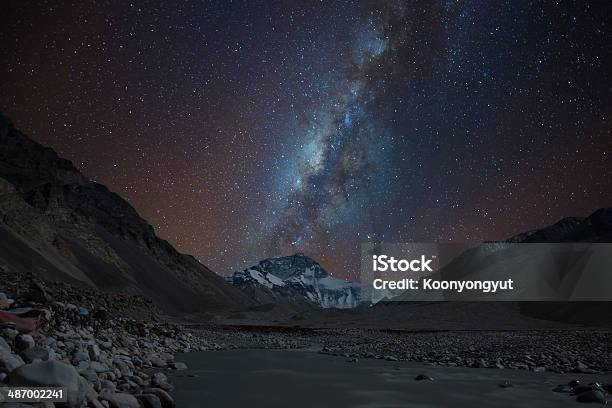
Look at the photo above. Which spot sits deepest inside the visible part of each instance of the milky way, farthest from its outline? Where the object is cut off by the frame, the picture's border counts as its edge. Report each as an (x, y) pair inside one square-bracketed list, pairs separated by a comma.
[(340, 160), (246, 130)]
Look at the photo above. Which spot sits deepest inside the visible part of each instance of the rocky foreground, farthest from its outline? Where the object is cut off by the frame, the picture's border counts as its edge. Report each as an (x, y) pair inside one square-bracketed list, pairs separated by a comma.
[(107, 350), (117, 350)]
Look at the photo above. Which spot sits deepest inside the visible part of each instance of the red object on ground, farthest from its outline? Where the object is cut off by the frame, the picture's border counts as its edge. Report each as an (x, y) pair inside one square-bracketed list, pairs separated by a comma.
[(26, 322)]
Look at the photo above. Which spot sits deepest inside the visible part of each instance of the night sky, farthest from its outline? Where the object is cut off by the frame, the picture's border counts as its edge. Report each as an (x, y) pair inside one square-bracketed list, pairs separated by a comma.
[(244, 130)]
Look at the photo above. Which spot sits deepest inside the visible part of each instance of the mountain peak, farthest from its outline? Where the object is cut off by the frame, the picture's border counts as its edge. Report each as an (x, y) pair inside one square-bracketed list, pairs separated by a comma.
[(299, 279), (292, 265)]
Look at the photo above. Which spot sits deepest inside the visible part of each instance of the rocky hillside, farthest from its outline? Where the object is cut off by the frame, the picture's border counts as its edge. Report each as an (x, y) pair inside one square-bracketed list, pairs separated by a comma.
[(597, 227), (298, 280), (59, 225)]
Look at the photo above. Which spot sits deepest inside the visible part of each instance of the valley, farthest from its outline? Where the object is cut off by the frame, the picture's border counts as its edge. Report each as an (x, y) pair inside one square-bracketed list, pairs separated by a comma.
[(88, 288)]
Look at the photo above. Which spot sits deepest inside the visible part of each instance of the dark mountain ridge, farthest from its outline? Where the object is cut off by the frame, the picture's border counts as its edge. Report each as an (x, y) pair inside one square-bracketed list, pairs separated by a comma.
[(56, 223), (597, 227)]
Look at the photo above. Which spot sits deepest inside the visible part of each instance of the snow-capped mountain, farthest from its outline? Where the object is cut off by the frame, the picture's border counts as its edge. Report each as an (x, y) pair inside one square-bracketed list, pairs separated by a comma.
[(299, 280)]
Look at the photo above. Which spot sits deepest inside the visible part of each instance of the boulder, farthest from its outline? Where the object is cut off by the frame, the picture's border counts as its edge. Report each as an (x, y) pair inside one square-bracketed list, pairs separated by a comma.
[(161, 381), (167, 357), (94, 403), (37, 353), (91, 396), (592, 396), (4, 344), (158, 362), (50, 374), (124, 368), (583, 368), (8, 360), (164, 397), (119, 400), (94, 352), (24, 341), (579, 389), (149, 401), (109, 385), (5, 302), (79, 357), (8, 333), (94, 365)]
